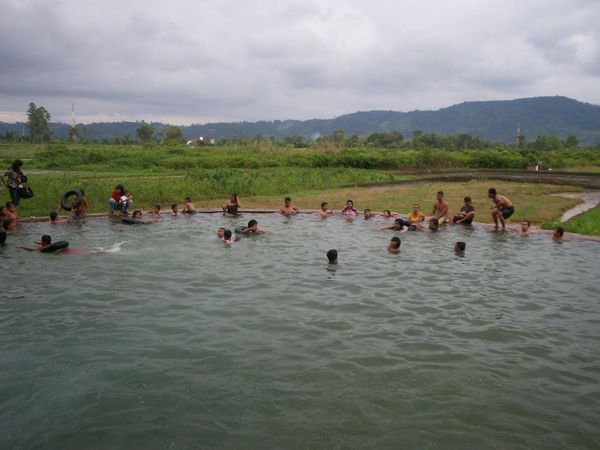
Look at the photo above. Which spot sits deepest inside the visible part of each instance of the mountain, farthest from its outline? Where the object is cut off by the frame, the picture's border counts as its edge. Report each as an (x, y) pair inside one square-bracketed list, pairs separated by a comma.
[(490, 120)]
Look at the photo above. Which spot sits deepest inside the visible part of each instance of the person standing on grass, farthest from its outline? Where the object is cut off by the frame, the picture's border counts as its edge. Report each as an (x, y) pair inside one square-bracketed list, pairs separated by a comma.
[(502, 208), (15, 181)]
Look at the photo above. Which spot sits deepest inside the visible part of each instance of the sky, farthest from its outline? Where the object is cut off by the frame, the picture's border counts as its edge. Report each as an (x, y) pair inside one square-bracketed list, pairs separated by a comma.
[(199, 61)]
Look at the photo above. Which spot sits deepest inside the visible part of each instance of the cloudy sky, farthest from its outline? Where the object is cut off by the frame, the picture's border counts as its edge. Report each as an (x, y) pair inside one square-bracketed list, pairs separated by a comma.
[(201, 61)]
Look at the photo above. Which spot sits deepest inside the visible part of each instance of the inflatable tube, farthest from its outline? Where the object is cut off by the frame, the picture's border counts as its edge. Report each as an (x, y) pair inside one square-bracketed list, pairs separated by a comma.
[(54, 247), (130, 221), (76, 202), (239, 230)]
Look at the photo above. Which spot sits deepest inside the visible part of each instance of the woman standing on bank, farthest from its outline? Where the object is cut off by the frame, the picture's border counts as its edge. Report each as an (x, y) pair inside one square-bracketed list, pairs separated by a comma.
[(15, 181)]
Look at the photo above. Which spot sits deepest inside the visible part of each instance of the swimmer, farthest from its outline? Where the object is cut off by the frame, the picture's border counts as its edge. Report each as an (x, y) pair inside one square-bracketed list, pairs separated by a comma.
[(232, 206), (332, 256), (434, 224), (174, 210), (253, 228), (325, 211), (440, 208), (502, 208), (466, 214), (155, 212), (55, 220), (387, 214), (459, 248), (400, 225), (394, 245), (367, 214), (47, 241), (558, 234), (220, 233), (525, 228), (189, 207), (228, 237), (137, 215), (416, 216), (288, 209), (349, 209)]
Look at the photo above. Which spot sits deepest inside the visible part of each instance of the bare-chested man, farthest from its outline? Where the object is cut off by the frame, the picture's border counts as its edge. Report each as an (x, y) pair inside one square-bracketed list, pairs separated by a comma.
[(502, 208), (325, 211), (288, 209), (440, 208)]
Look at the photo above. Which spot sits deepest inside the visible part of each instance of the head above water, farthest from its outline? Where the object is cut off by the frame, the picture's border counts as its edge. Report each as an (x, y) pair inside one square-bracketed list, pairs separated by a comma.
[(53, 215), (440, 195), (137, 214), (227, 234), (46, 240), (460, 246), (387, 212), (220, 232), (434, 224), (174, 206), (252, 223), (332, 256), (287, 201), (157, 207), (525, 225), (324, 205), (188, 199), (349, 203), (559, 232), (395, 242)]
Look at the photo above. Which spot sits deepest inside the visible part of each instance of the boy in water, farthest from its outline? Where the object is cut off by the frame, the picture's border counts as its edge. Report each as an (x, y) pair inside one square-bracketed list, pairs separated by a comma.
[(221, 233), (466, 214), (54, 219), (440, 208), (332, 256), (399, 224), (45, 242), (349, 209), (253, 228), (502, 209), (325, 211), (558, 234), (288, 209), (434, 224), (459, 248), (367, 214), (155, 212), (228, 237), (416, 215), (387, 214), (189, 207), (525, 226), (174, 210), (394, 245)]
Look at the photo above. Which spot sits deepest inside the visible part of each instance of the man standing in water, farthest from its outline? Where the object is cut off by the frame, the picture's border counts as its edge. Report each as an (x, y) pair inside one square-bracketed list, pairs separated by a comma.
[(502, 209), (288, 209), (440, 208)]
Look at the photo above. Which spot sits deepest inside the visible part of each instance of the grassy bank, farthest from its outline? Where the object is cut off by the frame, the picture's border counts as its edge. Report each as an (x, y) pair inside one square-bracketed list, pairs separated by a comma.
[(586, 223)]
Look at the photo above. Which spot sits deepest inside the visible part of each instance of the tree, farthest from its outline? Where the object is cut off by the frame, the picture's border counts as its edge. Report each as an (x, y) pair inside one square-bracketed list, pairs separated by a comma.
[(37, 123), (571, 141), (145, 132), (173, 136)]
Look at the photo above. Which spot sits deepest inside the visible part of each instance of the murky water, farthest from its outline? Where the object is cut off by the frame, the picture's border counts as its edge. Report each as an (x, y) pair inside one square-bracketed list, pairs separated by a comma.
[(169, 339)]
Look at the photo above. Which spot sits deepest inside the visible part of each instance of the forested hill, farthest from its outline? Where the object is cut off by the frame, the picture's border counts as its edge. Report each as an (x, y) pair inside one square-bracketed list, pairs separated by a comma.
[(490, 120)]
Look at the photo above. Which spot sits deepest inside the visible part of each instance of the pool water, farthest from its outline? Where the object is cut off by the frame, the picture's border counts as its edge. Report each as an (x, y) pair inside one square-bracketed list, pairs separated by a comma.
[(163, 337)]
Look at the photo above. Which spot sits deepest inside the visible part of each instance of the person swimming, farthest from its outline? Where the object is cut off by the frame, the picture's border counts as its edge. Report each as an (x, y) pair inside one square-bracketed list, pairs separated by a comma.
[(558, 234), (367, 214), (288, 208), (525, 227), (252, 228), (388, 214), (228, 237), (394, 245), (325, 211), (189, 207), (349, 209), (221, 233), (459, 248), (332, 256)]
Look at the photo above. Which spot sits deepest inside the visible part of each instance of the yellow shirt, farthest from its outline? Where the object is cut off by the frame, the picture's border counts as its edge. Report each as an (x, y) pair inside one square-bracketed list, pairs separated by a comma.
[(418, 217)]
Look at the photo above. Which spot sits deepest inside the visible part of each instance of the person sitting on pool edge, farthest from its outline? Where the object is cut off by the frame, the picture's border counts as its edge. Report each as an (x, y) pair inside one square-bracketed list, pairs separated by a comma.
[(324, 211), (232, 206), (252, 228), (440, 208), (502, 208), (459, 248), (367, 214), (288, 209), (558, 234), (466, 214), (394, 245), (120, 200), (349, 209), (332, 256), (189, 207), (416, 216)]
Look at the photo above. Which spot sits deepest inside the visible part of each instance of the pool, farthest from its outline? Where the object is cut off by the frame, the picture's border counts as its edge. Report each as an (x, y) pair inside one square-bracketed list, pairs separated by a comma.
[(166, 338)]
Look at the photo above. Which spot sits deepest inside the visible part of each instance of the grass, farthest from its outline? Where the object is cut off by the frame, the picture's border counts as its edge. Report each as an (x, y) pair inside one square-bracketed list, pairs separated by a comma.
[(586, 223)]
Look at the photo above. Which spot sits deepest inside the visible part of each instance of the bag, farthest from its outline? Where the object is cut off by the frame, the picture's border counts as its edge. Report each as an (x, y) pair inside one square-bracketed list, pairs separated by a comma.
[(25, 191)]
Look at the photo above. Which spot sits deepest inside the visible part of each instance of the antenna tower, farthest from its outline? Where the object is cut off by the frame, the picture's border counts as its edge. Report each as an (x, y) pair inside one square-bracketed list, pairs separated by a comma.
[(72, 115)]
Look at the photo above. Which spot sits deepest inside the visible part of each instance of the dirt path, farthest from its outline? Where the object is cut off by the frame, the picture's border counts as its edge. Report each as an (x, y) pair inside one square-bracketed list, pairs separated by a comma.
[(590, 200)]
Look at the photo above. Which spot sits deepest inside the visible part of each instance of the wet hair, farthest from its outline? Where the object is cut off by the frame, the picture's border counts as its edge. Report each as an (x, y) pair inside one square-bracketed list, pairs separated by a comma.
[(157, 206), (136, 212), (323, 204), (387, 211), (332, 255), (350, 201), (560, 231), (46, 239), (53, 215), (251, 223), (2, 238), (287, 199), (173, 205), (441, 192), (399, 221), (227, 234), (396, 241), (460, 246), (467, 199), (527, 222), (492, 191), (16, 165), (435, 222)]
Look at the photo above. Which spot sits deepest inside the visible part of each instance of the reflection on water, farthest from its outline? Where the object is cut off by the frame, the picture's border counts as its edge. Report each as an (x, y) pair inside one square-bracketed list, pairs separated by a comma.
[(162, 337)]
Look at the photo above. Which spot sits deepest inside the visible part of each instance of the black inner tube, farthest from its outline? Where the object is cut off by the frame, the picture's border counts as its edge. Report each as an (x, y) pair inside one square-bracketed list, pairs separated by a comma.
[(54, 246), (76, 202)]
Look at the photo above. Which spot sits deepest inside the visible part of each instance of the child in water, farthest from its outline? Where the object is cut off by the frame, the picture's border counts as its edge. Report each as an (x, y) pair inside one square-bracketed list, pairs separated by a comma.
[(189, 207), (221, 233), (349, 209), (228, 237), (459, 248), (325, 211), (155, 212), (174, 210), (416, 215), (332, 256), (367, 214), (558, 234), (388, 214), (394, 245)]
